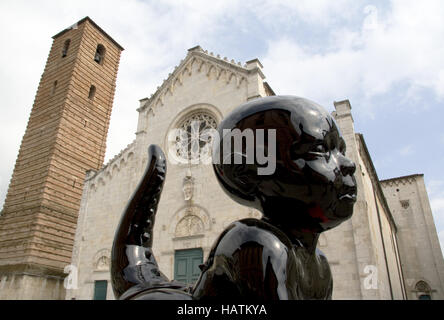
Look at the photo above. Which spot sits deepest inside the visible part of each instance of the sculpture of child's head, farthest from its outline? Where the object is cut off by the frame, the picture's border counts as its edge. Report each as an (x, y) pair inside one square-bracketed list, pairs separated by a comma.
[(312, 186)]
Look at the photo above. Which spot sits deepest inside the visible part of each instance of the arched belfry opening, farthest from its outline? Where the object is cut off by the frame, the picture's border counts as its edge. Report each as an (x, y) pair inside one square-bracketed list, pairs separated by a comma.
[(100, 54), (92, 92), (65, 48)]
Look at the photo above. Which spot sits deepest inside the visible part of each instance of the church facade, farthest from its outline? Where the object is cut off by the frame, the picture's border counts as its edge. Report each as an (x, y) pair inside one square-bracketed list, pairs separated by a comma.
[(57, 226), (368, 254)]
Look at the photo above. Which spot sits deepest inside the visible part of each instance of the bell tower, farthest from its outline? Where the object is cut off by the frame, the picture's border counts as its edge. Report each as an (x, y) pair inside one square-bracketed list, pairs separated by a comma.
[(65, 137)]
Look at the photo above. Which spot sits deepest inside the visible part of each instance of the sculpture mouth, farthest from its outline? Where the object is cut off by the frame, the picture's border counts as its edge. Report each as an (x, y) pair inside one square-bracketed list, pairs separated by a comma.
[(348, 198), (348, 195)]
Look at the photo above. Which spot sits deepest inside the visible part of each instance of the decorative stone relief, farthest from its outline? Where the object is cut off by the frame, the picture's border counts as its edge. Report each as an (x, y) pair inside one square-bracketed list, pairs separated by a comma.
[(200, 61), (102, 260), (188, 186), (100, 178), (189, 220), (405, 203), (103, 263), (422, 286), (189, 225)]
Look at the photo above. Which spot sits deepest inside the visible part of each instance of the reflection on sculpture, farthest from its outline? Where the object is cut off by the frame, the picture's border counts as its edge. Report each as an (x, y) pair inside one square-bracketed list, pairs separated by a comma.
[(275, 258)]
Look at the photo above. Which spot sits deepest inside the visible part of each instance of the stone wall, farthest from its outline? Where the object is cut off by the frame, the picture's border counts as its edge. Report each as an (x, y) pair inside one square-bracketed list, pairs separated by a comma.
[(421, 255)]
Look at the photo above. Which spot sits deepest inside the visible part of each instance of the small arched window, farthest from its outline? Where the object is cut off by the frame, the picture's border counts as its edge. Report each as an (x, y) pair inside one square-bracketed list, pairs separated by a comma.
[(65, 48), (54, 87), (100, 54), (92, 92)]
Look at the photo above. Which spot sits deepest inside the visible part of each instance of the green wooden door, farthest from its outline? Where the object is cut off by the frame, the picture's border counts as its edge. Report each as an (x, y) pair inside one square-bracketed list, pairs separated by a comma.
[(100, 287), (186, 265)]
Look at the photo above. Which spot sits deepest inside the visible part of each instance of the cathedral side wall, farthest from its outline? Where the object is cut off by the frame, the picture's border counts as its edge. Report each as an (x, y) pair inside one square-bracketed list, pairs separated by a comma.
[(361, 253), (360, 247), (375, 215), (338, 246), (421, 256), (392, 257)]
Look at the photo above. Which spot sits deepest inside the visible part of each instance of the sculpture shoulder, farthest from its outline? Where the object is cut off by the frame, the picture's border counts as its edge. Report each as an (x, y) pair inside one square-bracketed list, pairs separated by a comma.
[(248, 232), (249, 259)]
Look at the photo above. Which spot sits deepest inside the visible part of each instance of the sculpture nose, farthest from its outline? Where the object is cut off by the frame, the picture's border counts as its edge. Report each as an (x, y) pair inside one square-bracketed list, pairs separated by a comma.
[(347, 166)]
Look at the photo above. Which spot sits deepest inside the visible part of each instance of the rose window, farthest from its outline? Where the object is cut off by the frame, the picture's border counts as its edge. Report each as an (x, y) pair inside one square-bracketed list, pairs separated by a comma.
[(193, 140)]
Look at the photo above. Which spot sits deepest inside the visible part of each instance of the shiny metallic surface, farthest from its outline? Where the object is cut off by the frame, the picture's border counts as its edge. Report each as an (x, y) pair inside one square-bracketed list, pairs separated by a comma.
[(311, 190)]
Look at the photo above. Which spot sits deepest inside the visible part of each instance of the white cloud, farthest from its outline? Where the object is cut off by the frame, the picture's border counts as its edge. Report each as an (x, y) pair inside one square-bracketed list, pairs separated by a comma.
[(400, 46), (319, 12)]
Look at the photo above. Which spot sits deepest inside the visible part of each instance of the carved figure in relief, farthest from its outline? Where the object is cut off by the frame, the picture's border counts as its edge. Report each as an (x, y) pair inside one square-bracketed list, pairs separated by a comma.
[(188, 186)]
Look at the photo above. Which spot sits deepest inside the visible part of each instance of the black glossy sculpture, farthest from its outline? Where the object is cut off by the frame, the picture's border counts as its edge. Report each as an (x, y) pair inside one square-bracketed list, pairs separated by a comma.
[(312, 189)]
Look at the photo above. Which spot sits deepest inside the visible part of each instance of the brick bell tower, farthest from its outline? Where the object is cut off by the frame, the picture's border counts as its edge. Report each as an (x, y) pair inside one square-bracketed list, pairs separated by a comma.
[(65, 136)]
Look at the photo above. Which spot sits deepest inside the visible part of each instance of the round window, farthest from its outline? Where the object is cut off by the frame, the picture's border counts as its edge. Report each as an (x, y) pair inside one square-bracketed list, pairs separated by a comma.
[(193, 141)]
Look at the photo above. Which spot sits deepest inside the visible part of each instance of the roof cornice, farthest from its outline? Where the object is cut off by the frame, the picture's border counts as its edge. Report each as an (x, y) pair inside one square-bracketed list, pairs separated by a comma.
[(199, 54)]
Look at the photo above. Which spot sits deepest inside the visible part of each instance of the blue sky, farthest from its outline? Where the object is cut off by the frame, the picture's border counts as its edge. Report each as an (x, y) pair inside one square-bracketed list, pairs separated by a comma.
[(386, 57)]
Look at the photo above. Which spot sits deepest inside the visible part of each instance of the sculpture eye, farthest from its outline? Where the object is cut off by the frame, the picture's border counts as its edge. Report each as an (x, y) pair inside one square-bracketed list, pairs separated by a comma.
[(321, 148)]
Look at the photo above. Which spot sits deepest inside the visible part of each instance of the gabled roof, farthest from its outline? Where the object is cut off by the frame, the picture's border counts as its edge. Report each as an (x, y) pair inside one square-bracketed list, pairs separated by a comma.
[(197, 53)]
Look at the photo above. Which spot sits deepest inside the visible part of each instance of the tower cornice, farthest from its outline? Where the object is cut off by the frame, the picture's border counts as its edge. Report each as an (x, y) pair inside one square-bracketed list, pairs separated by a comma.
[(75, 25)]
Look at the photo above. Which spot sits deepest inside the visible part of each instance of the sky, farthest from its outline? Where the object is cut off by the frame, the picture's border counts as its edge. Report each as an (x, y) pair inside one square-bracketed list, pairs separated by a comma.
[(386, 57)]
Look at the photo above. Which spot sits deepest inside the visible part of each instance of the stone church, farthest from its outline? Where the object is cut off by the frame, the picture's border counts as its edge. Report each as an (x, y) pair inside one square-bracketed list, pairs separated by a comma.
[(389, 249)]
